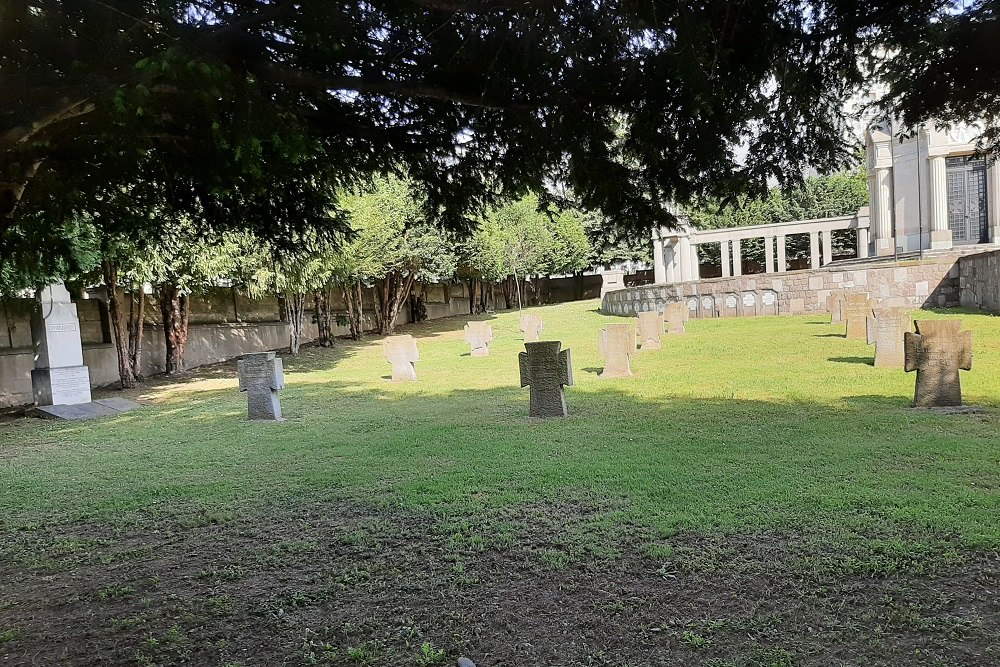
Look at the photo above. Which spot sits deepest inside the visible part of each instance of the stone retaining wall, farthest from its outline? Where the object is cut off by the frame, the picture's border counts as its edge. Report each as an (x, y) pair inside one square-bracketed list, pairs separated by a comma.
[(979, 277), (931, 282)]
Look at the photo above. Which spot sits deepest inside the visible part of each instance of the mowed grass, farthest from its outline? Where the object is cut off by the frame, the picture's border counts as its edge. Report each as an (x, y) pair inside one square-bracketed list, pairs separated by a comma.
[(739, 425)]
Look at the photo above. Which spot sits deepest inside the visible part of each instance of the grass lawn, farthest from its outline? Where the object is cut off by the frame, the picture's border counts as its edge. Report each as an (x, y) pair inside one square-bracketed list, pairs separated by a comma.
[(758, 494)]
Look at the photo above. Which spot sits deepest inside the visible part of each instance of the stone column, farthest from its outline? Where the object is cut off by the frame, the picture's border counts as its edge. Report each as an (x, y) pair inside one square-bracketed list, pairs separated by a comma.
[(813, 250), (885, 242), (782, 264), (827, 247), (993, 201), (695, 262), (669, 263), (862, 242), (727, 266), (683, 252), (938, 191), (659, 265), (737, 258), (769, 254)]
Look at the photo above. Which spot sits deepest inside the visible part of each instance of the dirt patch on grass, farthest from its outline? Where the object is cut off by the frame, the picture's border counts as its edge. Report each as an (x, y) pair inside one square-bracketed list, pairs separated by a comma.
[(340, 583)]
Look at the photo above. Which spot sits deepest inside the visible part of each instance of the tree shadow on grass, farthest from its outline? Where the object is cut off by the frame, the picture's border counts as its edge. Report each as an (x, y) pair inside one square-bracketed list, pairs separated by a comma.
[(867, 361), (830, 335)]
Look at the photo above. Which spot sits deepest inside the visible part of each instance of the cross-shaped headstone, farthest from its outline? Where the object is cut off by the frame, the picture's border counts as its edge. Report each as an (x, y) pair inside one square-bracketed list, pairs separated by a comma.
[(675, 315), (650, 329), (617, 345), (857, 308), (936, 352), (479, 335), (261, 377), (531, 327), (401, 352), (886, 327), (546, 370), (835, 306)]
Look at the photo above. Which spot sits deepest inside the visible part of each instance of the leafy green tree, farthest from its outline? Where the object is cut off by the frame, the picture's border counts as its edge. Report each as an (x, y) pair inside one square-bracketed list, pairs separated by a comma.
[(395, 245)]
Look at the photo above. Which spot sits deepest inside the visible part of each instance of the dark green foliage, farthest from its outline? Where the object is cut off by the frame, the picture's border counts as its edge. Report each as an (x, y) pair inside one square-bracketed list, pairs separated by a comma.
[(629, 103)]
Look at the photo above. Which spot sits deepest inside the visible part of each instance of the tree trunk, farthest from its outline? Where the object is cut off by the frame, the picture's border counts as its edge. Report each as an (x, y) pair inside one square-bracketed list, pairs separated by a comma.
[(324, 318), (295, 312), (126, 369), (174, 307), (355, 315), (136, 321), (472, 296), (392, 291), (507, 288)]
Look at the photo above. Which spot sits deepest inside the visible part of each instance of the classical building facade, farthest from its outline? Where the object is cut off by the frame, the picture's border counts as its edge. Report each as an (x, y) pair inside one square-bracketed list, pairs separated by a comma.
[(927, 191)]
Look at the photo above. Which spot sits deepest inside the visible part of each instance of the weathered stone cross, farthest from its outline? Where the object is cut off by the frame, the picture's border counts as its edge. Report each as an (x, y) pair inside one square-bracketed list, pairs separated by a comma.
[(531, 327), (650, 329), (479, 335), (856, 309), (936, 352), (674, 315), (886, 327), (546, 370), (261, 377), (617, 345), (401, 352)]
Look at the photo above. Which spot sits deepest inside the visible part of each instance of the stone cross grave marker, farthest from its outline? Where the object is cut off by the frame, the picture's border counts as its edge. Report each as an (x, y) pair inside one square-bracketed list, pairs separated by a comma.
[(675, 315), (402, 353), (479, 335), (546, 369), (835, 306), (261, 377), (857, 308), (937, 351), (885, 331), (650, 329), (531, 327), (617, 345)]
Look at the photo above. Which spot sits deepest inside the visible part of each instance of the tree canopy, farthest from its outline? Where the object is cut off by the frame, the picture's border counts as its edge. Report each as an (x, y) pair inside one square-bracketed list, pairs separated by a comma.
[(632, 104)]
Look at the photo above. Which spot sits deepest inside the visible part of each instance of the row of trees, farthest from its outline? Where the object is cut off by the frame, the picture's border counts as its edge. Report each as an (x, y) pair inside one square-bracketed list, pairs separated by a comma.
[(385, 241)]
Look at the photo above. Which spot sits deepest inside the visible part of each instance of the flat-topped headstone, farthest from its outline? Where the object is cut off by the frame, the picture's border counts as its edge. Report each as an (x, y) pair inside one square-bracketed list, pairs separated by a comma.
[(675, 315), (617, 345), (886, 327), (937, 351), (650, 329), (857, 309), (835, 306), (546, 369), (59, 376), (262, 376), (531, 327), (402, 353), (479, 335)]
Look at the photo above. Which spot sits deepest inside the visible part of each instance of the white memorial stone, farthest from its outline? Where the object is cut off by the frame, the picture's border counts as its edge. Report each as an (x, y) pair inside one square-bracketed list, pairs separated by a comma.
[(59, 377)]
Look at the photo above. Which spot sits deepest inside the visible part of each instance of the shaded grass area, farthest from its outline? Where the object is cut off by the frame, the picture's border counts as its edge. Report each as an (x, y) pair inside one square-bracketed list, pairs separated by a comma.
[(758, 494)]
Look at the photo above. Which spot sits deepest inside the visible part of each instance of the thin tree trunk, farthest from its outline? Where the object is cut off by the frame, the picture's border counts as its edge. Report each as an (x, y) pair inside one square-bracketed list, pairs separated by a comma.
[(174, 308), (395, 288), (136, 322), (126, 370), (352, 301), (295, 310), (472, 296), (324, 319)]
